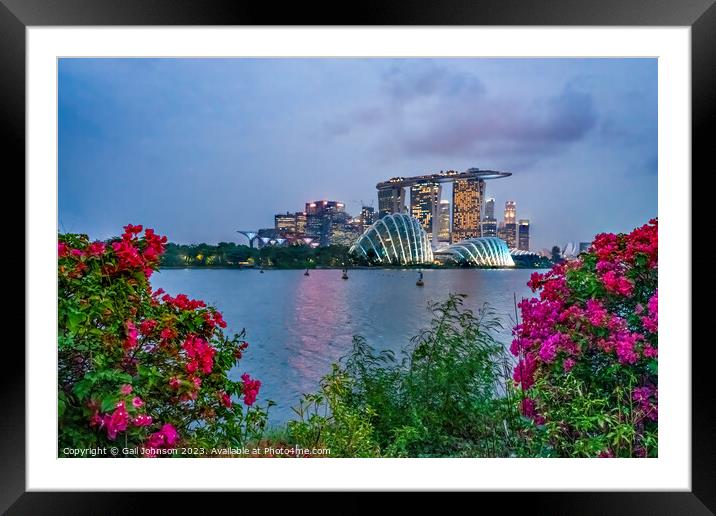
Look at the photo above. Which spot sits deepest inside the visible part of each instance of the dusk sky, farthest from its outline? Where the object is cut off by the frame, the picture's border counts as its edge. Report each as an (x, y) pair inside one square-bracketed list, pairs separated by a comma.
[(198, 148)]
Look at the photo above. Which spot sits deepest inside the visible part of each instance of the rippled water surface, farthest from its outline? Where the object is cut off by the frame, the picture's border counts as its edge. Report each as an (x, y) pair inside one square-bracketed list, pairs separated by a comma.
[(298, 325)]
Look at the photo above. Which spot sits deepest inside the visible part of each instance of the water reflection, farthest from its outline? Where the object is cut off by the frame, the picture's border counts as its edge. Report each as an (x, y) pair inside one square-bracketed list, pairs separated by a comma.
[(298, 325)]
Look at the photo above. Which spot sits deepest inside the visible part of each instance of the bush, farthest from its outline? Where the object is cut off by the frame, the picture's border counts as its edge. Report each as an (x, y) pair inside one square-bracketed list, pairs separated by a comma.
[(327, 421), (587, 351), (142, 368), (444, 398)]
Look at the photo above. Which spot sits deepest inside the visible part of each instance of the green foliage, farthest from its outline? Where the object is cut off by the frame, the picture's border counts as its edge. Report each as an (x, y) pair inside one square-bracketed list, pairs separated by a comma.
[(137, 369), (231, 255), (446, 397)]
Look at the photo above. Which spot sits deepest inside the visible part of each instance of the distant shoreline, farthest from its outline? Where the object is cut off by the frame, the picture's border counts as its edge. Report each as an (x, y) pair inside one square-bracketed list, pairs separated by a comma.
[(348, 267)]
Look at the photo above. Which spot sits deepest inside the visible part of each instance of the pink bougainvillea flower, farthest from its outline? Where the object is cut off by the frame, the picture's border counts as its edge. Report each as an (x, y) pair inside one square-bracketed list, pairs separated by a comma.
[(137, 402), (142, 420), (199, 353), (130, 340), (651, 320), (117, 422), (166, 437), (125, 389), (170, 434), (62, 249), (225, 399), (617, 284), (129, 229), (251, 389), (146, 327), (527, 407), (96, 249)]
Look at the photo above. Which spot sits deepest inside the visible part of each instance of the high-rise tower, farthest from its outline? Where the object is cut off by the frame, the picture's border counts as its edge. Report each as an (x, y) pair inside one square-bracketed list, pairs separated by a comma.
[(467, 195), (424, 200), (523, 235), (510, 231)]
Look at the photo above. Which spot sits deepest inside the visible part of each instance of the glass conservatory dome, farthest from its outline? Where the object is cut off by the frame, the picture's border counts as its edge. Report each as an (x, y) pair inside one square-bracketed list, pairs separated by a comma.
[(481, 251), (396, 239)]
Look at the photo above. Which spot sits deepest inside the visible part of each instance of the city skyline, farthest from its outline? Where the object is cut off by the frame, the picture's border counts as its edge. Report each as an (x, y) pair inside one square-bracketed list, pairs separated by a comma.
[(198, 148)]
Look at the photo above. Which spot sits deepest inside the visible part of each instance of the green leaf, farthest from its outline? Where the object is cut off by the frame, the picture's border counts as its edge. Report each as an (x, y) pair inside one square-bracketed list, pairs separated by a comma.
[(74, 320), (83, 387), (108, 403)]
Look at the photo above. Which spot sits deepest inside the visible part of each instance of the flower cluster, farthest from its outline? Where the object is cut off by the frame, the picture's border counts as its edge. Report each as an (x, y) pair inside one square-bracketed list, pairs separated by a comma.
[(200, 355), (133, 256), (590, 324), (138, 364), (251, 389), (122, 416), (129, 253)]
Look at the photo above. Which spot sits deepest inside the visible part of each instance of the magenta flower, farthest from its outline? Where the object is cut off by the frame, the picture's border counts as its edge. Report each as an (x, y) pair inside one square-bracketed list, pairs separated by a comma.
[(170, 434), (251, 389), (142, 420), (568, 364), (130, 340), (117, 422)]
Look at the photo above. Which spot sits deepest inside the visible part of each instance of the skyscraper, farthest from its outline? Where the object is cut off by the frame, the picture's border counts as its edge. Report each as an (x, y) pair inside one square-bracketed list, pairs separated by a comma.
[(510, 212), (510, 231), (319, 216), (490, 208), (467, 195), (300, 222), (444, 216), (367, 216), (343, 230), (391, 200), (523, 235), (285, 222), (489, 223), (424, 198)]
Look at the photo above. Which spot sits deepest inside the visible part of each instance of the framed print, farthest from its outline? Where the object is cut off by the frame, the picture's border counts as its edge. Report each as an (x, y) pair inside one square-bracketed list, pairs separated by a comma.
[(417, 253)]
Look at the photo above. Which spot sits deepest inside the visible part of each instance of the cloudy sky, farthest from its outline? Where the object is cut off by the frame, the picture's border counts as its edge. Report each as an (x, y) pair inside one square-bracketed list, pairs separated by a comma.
[(198, 148)]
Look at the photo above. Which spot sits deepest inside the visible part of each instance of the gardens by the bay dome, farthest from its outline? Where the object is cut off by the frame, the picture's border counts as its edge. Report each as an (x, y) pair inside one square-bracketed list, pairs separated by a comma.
[(395, 239), (480, 252)]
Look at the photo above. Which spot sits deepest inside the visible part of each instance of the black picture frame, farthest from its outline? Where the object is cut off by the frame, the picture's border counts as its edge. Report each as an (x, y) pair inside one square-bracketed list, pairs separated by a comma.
[(700, 15)]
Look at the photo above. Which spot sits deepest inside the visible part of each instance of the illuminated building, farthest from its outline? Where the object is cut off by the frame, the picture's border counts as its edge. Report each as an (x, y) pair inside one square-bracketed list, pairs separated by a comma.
[(391, 200), (467, 195), (477, 252), (424, 199), (510, 212), (490, 208), (300, 222), (344, 230), (319, 216), (396, 239), (285, 222), (510, 224), (489, 222), (444, 216), (367, 217), (523, 235)]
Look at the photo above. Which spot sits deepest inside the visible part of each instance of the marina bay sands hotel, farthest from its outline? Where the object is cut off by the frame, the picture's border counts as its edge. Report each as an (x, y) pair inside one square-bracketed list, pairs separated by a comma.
[(468, 194)]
